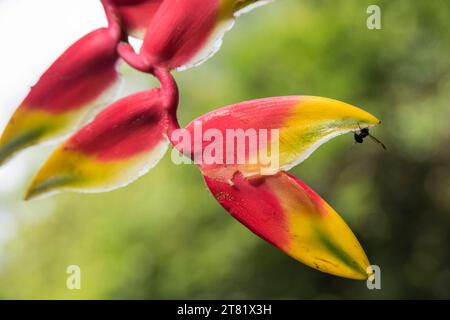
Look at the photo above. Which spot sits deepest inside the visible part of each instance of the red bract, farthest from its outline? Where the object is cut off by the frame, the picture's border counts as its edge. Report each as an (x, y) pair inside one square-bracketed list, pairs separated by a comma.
[(284, 129), (287, 213), (181, 31), (129, 126), (131, 135), (122, 143), (79, 81), (79, 76), (176, 32)]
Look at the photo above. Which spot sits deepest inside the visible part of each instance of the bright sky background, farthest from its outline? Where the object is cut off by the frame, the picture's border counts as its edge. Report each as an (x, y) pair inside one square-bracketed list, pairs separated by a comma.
[(33, 34)]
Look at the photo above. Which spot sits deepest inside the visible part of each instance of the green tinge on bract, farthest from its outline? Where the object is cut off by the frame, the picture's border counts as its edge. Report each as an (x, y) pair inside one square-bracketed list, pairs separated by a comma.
[(319, 237), (29, 127), (301, 123), (288, 214), (314, 121), (68, 170), (81, 79)]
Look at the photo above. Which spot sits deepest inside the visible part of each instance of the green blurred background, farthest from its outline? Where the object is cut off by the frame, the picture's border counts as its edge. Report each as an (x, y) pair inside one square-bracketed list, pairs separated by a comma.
[(165, 236)]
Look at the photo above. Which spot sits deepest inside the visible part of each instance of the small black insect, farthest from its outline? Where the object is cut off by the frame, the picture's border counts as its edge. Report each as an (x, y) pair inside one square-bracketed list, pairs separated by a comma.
[(363, 133)]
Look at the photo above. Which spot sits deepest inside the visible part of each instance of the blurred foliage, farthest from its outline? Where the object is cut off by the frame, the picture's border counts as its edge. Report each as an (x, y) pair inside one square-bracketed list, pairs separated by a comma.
[(164, 236)]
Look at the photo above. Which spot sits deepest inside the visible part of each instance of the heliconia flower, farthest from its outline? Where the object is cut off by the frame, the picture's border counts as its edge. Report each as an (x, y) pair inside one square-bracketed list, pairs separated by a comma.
[(135, 15), (275, 133), (130, 136), (122, 143), (288, 214), (82, 78), (184, 33), (268, 136)]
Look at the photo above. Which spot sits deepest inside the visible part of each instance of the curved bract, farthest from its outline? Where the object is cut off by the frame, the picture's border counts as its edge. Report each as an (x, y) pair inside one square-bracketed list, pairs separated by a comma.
[(80, 80), (271, 134), (184, 33), (285, 212), (122, 143)]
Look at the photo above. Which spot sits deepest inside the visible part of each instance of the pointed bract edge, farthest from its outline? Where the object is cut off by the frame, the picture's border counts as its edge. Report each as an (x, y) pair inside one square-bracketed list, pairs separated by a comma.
[(288, 214), (284, 129)]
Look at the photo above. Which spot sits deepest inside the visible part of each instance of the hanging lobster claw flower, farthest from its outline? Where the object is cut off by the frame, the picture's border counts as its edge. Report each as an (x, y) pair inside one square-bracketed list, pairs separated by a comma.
[(288, 214), (80, 80), (122, 143), (268, 135), (135, 15), (185, 33)]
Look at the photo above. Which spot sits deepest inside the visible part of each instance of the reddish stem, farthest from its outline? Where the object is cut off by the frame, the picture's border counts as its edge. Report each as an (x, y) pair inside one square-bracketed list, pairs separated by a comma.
[(170, 95), (127, 53)]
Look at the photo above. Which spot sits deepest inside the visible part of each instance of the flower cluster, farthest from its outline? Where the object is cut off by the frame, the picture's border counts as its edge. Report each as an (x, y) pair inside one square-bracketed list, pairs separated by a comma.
[(130, 135)]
